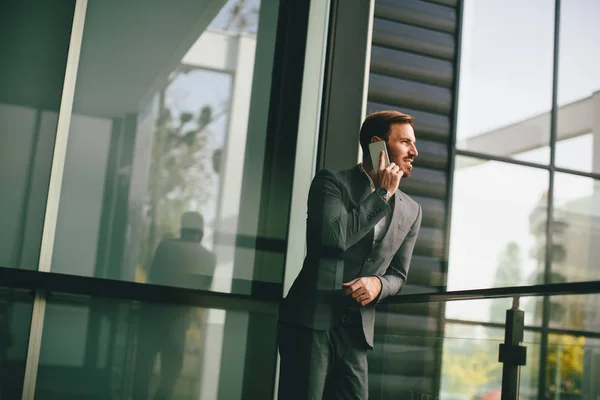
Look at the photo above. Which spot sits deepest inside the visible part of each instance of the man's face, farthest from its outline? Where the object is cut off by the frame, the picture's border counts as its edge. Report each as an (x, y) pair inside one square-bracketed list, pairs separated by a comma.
[(402, 147)]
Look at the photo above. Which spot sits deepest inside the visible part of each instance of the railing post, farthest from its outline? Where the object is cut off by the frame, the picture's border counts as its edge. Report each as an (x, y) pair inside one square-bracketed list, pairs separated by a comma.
[(511, 353)]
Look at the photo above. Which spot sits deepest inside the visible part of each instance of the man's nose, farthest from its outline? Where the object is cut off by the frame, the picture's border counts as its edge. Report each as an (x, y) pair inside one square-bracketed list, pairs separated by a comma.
[(413, 151)]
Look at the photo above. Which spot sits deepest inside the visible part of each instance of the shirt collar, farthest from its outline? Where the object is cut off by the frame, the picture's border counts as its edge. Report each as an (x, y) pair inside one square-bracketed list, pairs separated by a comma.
[(360, 165)]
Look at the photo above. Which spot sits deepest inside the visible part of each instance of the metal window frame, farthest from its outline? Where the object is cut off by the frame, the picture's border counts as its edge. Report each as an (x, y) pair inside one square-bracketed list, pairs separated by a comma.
[(552, 169), (264, 296), (53, 200)]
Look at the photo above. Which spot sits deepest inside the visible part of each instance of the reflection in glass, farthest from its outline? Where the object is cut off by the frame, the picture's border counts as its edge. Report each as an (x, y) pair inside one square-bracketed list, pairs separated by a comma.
[(576, 226), (578, 125), (162, 126), (16, 307), (498, 224), (33, 50), (490, 310), (103, 349), (505, 93), (470, 367), (572, 367)]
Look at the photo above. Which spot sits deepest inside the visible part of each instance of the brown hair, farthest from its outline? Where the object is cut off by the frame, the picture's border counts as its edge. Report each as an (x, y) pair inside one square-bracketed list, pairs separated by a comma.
[(378, 124)]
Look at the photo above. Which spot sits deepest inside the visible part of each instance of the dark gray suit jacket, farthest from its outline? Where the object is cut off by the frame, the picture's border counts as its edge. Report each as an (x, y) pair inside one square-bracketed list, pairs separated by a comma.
[(342, 214)]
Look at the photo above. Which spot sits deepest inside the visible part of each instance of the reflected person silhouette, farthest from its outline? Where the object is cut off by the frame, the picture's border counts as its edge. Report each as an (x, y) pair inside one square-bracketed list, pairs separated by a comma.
[(182, 262)]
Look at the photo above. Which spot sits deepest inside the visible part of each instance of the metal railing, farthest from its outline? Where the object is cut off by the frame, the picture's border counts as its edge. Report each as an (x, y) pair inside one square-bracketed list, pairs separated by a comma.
[(265, 298)]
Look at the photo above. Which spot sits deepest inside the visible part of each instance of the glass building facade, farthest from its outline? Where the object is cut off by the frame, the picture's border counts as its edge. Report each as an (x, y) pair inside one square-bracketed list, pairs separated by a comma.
[(128, 126)]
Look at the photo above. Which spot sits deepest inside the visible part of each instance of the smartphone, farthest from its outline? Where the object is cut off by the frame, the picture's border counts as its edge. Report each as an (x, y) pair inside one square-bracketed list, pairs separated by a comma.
[(375, 149)]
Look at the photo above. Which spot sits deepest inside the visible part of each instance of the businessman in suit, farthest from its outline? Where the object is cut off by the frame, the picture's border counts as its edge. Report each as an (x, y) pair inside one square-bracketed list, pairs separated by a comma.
[(361, 232)]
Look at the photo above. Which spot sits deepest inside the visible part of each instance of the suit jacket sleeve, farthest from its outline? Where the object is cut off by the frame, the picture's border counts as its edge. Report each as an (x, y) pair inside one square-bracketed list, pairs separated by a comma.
[(331, 222), (394, 278)]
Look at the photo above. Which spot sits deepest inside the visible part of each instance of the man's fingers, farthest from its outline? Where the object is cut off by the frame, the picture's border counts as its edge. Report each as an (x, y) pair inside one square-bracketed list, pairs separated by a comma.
[(364, 300), (356, 289), (358, 293), (350, 289), (350, 283), (363, 296)]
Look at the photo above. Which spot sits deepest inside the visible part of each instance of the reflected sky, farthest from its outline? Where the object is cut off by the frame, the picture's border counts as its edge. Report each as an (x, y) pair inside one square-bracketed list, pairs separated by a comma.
[(506, 77), (189, 93)]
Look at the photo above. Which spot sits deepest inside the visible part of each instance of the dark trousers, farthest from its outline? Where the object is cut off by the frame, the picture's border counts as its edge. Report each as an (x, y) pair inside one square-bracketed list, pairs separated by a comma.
[(330, 364), (162, 332)]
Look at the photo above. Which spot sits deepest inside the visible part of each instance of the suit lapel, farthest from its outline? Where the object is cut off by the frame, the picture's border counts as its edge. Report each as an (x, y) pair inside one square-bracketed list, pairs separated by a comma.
[(390, 234), (360, 188)]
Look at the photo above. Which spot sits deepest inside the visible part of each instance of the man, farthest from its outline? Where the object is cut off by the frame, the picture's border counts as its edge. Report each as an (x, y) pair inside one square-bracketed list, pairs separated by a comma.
[(361, 231), (182, 262)]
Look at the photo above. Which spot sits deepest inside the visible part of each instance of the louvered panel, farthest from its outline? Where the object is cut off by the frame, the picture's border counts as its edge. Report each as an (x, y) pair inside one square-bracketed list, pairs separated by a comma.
[(425, 182), (418, 288), (448, 3), (405, 65), (430, 243), (419, 309), (394, 386), (406, 325), (412, 71), (428, 126), (418, 13), (411, 38), (417, 95), (432, 155), (427, 269), (405, 360), (433, 211), (414, 340)]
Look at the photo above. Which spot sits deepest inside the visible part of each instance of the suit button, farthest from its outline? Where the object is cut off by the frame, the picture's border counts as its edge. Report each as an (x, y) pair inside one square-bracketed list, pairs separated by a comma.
[(369, 259)]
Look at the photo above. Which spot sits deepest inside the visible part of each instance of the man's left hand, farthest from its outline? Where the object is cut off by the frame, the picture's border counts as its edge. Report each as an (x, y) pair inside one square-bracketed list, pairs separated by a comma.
[(363, 290)]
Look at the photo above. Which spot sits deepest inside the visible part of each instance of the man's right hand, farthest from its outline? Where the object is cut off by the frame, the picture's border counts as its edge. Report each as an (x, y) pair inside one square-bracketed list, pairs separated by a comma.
[(388, 177)]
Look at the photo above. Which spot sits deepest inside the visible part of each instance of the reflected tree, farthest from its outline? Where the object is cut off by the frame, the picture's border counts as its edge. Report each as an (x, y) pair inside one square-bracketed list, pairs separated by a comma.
[(243, 17), (181, 172), (564, 368), (508, 273)]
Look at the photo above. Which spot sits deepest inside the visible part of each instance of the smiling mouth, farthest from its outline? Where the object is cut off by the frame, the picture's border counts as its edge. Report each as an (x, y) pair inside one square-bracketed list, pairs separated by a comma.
[(409, 162)]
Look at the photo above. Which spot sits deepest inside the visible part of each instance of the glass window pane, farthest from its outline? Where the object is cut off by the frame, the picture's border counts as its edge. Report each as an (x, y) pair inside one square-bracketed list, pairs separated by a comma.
[(572, 367), (491, 310), (470, 367), (16, 307), (169, 123), (575, 312), (505, 93), (578, 122), (33, 50), (95, 348), (498, 225), (576, 229)]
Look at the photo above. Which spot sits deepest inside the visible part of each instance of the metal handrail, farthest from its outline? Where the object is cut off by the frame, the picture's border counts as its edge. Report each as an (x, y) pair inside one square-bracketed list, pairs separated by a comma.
[(261, 296), (550, 289)]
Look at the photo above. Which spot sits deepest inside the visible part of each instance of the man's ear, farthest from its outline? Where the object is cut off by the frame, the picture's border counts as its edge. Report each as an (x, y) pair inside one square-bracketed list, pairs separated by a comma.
[(375, 139)]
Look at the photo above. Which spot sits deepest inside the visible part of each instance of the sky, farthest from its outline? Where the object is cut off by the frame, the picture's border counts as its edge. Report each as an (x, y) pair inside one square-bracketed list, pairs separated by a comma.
[(506, 76)]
